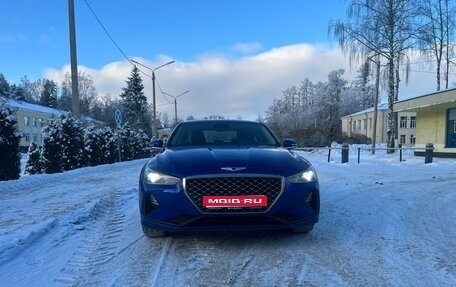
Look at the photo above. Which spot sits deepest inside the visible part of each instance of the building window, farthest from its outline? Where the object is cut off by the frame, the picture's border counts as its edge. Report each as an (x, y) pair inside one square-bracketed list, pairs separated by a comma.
[(26, 121), (365, 124), (35, 138), (370, 123), (27, 137), (412, 140), (40, 121), (403, 123), (359, 125), (413, 122), (34, 122), (451, 129), (402, 139)]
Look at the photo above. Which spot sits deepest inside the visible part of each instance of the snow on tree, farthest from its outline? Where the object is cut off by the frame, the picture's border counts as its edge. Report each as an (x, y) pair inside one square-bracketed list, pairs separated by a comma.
[(127, 142), (26, 88), (134, 103), (93, 147), (331, 104), (310, 113), (142, 147), (34, 163), (10, 156), (72, 141), (52, 152), (108, 141)]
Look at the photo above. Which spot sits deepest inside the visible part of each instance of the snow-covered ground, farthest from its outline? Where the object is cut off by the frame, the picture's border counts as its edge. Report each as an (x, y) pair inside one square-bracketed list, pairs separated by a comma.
[(383, 223)]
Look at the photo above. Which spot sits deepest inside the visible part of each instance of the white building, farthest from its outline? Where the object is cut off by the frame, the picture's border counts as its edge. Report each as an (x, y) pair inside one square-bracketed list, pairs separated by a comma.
[(362, 123), (31, 119)]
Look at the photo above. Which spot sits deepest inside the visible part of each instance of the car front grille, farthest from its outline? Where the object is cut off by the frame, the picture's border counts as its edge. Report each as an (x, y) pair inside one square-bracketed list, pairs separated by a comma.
[(196, 188)]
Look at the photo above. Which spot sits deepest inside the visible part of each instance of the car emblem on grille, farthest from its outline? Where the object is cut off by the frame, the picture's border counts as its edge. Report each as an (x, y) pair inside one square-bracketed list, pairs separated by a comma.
[(233, 168)]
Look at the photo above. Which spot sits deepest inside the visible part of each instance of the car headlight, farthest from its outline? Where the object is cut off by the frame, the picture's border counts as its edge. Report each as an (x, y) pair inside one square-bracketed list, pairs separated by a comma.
[(153, 177), (304, 176)]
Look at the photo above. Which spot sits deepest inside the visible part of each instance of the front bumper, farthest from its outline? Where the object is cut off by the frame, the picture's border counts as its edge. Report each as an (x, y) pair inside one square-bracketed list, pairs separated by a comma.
[(169, 208)]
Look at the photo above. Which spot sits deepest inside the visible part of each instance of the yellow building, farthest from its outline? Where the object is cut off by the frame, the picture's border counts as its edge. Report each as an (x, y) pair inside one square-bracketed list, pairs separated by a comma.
[(362, 123), (30, 120), (435, 121)]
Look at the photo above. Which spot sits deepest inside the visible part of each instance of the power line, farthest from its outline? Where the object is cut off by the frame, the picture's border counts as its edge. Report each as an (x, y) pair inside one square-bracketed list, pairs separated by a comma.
[(161, 91), (106, 31), (112, 39)]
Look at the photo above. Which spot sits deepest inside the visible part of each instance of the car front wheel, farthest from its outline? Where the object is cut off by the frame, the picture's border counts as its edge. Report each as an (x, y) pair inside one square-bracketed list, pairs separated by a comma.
[(304, 229), (153, 233)]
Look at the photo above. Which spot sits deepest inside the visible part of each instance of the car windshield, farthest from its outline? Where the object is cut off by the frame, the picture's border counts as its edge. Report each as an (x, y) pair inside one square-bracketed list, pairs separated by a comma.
[(231, 133)]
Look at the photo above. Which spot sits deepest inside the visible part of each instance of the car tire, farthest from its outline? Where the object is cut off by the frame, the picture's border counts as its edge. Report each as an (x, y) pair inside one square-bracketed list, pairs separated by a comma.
[(304, 229), (153, 233)]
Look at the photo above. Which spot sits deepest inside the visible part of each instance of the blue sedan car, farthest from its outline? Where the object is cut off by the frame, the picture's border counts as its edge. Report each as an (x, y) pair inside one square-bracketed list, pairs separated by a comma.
[(227, 174)]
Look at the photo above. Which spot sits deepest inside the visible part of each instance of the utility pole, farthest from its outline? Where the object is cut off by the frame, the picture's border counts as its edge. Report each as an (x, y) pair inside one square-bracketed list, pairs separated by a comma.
[(74, 61)]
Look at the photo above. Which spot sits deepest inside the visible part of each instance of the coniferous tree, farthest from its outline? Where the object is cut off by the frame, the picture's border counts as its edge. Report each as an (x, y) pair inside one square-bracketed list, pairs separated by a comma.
[(72, 142), (18, 93), (48, 95), (135, 103), (143, 142), (127, 143), (5, 89), (108, 140), (93, 147), (10, 157), (34, 163), (52, 147)]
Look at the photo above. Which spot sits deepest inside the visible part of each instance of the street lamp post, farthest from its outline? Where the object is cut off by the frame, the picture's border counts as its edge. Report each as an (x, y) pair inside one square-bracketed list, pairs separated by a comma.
[(154, 132), (175, 104)]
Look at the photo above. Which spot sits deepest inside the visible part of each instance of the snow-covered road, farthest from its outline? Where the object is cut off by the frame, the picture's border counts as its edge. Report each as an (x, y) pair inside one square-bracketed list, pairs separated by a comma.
[(383, 223)]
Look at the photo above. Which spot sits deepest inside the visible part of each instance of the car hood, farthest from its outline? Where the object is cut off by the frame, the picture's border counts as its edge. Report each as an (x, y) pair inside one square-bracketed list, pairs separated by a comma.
[(228, 157)]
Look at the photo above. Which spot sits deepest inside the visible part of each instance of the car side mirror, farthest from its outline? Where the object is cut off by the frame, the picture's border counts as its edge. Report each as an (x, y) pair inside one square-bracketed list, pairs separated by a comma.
[(289, 144), (157, 144)]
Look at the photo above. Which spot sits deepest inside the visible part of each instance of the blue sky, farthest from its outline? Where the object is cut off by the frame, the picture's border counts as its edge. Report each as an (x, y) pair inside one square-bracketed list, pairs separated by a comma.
[(244, 52)]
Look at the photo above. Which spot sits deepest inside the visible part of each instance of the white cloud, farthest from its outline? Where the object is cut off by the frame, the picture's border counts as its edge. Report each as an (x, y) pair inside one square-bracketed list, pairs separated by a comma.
[(247, 48), (220, 85)]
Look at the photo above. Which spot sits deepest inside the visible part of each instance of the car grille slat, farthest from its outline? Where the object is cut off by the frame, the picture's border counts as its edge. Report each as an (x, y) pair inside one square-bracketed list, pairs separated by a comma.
[(196, 188)]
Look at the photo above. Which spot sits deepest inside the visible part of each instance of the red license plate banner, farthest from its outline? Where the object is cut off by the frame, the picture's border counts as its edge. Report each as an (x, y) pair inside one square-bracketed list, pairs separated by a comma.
[(235, 201)]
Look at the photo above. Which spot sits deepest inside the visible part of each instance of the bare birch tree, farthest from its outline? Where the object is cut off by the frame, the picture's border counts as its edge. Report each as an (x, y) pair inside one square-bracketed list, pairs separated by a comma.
[(379, 27), (437, 33)]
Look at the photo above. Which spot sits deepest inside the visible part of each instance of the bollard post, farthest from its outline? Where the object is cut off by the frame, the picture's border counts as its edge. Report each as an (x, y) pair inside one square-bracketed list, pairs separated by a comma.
[(429, 153), (400, 152), (345, 149), (329, 153)]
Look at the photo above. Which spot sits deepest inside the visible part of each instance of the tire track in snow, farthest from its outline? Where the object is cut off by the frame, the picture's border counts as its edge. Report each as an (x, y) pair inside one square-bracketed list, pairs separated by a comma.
[(161, 262), (99, 245), (219, 259)]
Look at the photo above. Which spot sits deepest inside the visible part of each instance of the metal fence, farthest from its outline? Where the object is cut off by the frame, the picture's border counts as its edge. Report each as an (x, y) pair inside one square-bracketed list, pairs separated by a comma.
[(428, 151)]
